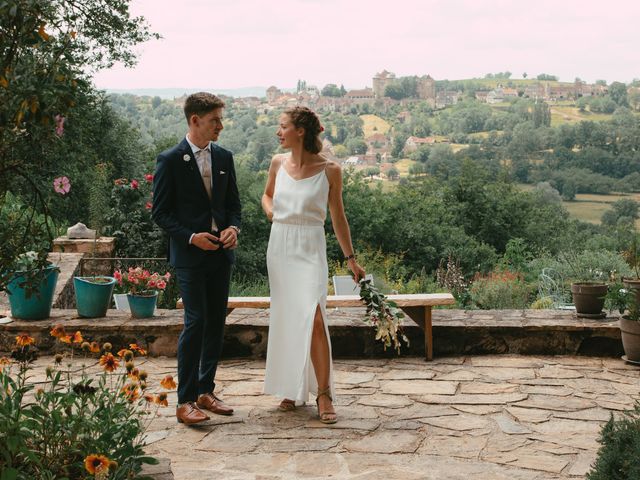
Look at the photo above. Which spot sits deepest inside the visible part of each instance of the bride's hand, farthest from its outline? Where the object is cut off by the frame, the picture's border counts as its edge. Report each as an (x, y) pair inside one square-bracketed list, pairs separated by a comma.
[(358, 271)]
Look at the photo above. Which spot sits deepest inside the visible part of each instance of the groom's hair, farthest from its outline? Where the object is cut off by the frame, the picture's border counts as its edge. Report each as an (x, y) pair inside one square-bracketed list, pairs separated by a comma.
[(201, 103)]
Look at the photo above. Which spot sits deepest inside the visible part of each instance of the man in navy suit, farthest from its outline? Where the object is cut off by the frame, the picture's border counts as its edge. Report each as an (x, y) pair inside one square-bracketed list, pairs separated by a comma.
[(196, 201)]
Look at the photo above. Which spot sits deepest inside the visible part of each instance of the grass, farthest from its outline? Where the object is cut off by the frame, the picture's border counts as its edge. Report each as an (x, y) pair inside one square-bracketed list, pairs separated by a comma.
[(374, 124), (589, 207)]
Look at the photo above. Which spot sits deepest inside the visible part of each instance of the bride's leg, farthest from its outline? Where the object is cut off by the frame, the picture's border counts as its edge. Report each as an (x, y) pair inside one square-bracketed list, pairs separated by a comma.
[(321, 361)]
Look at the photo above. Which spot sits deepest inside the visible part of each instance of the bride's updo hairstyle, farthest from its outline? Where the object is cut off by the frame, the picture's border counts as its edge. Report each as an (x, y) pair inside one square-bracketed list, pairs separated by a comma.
[(302, 117)]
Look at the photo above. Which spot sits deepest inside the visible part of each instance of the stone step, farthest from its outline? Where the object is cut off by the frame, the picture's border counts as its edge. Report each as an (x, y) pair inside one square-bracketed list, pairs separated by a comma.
[(455, 332)]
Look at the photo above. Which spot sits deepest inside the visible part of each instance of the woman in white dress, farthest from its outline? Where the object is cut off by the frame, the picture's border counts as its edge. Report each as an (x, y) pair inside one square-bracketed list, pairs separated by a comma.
[(299, 187)]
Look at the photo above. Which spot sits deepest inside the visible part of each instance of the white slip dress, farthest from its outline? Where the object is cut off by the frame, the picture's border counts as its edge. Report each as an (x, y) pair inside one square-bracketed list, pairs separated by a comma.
[(298, 273)]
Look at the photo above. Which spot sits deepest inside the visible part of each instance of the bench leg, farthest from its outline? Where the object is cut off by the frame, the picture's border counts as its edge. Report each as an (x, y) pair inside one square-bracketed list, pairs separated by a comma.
[(422, 317), (428, 334)]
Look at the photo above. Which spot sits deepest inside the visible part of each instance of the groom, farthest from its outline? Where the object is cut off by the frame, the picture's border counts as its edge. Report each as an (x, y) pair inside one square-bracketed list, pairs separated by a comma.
[(196, 201)]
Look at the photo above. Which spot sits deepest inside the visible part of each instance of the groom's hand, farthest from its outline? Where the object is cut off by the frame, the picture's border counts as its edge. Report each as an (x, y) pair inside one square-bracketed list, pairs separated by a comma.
[(205, 241), (229, 238)]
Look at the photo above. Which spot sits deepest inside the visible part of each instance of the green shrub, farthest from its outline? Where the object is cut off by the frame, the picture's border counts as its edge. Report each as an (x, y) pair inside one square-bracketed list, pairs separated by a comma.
[(500, 290), (618, 457), (76, 419)]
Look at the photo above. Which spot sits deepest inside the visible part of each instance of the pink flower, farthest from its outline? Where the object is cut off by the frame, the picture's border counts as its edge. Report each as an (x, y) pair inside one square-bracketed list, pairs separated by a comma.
[(118, 276), (62, 185), (161, 284), (59, 125), (148, 206), (148, 177), (134, 184)]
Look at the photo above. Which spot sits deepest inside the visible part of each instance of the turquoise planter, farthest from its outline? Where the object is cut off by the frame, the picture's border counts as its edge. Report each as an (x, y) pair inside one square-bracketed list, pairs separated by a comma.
[(93, 295), (37, 305), (142, 306)]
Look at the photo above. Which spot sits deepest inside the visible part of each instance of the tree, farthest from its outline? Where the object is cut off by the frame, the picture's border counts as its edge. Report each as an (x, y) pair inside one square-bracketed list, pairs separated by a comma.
[(48, 53), (392, 173), (156, 102), (546, 76), (331, 90), (618, 93), (524, 75)]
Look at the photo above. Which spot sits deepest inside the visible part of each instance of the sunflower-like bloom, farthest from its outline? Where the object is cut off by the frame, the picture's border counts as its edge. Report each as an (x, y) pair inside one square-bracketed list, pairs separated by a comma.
[(109, 362), (58, 331), (126, 354), (161, 399), (168, 383), (4, 361), (135, 348), (131, 392), (94, 347), (24, 340), (77, 337), (96, 463)]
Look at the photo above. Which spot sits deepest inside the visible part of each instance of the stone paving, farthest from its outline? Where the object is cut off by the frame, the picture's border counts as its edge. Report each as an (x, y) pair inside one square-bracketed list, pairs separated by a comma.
[(501, 417)]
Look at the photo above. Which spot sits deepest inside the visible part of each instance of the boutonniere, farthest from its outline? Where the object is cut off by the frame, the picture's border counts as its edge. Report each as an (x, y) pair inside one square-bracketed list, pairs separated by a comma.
[(222, 172), (186, 157)]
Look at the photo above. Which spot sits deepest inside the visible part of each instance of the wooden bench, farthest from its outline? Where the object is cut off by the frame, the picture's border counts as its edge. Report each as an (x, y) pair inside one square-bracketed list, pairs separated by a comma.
[(415, 306)]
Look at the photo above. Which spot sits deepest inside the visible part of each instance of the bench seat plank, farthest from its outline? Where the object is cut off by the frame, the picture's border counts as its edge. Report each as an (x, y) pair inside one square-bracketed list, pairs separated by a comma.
[(415, 306)]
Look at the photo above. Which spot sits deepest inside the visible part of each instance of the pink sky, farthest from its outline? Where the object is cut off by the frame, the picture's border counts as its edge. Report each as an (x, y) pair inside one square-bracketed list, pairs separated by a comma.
[(242, 43)]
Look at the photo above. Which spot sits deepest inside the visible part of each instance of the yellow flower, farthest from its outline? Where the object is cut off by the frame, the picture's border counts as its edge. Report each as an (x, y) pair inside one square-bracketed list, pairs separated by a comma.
[(94, 347), (134, 347), (161, 400), (131, 392), (4, 361), (24, 339), (109, 362), (58, 331), (168, 383), (77, 337), (96, 463)]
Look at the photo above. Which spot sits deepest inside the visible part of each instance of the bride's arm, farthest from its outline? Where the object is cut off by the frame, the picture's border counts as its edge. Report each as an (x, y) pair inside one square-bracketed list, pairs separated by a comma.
[(339, 219), (267, 196)]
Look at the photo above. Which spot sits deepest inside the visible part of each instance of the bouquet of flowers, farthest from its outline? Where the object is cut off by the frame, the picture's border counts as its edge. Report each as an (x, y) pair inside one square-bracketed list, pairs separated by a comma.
[(384, 314), (138, 281)]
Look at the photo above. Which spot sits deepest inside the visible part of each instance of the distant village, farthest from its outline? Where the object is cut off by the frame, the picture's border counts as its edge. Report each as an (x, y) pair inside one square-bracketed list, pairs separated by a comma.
[(379, 145)]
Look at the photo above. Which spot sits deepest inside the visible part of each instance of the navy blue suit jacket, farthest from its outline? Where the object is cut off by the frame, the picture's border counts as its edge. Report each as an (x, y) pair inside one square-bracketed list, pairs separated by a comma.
[(181, 205)]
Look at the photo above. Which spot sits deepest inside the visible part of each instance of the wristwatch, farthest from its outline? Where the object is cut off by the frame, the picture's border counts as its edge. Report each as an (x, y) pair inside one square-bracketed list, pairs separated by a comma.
[(237, 229)]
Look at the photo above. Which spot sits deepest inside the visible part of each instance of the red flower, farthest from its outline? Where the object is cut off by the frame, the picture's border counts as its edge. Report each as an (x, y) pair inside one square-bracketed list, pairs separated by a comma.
[(134, 184), (148, 205), (148, 177)]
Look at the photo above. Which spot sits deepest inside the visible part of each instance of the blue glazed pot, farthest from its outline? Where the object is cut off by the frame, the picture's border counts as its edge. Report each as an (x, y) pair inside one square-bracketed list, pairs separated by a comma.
[(93, 295), (142, 306), (37, 305)]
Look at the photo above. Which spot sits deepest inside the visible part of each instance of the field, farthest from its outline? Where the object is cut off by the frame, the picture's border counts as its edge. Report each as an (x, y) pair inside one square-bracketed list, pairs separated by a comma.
[(374, 124), (589, 207)]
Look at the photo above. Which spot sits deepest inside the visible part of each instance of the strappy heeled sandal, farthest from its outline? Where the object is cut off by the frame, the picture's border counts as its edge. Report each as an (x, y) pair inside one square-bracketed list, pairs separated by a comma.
[(325, 417), (287, 405)]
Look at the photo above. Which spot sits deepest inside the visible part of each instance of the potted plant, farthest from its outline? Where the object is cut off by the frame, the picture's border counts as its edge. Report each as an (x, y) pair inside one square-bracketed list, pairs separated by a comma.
[(142, 289), (590, 272), (93, 295), (626, 302), (632, 256), (31, 285)]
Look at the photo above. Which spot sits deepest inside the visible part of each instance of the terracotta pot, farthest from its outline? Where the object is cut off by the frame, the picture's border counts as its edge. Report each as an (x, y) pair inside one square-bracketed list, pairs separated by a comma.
[(630, 332), (588, 297), (633, 284)]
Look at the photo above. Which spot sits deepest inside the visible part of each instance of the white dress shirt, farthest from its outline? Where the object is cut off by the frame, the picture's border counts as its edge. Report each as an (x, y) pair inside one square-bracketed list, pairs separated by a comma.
[(203, 156)]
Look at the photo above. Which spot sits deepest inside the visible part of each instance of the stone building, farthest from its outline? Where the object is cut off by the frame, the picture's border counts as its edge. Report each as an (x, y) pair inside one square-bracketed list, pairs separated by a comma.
[(380, 82)]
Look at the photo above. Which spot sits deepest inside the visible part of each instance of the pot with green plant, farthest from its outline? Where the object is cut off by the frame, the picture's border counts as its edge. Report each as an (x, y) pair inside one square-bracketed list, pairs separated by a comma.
[(590, 272), (626, 302), (31, 286), (632, 256), (143, 288)]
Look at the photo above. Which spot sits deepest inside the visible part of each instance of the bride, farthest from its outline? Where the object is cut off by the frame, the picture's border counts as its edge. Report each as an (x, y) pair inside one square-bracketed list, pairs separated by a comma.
[(299, 187)]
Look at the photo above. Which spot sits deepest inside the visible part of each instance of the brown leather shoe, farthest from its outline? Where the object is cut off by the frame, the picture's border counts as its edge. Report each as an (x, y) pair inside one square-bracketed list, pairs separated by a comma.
[(189, 413), (210, 402)]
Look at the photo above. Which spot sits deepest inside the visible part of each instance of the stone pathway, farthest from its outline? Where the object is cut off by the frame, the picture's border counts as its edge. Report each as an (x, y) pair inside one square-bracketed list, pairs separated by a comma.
[(471, 418)]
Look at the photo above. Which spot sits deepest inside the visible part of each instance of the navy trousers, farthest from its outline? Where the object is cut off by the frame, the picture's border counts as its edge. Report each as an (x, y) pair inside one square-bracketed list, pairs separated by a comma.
[(205, 292)]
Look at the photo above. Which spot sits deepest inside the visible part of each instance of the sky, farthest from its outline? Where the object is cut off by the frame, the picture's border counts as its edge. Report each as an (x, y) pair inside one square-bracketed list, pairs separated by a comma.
[(225, 44)]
